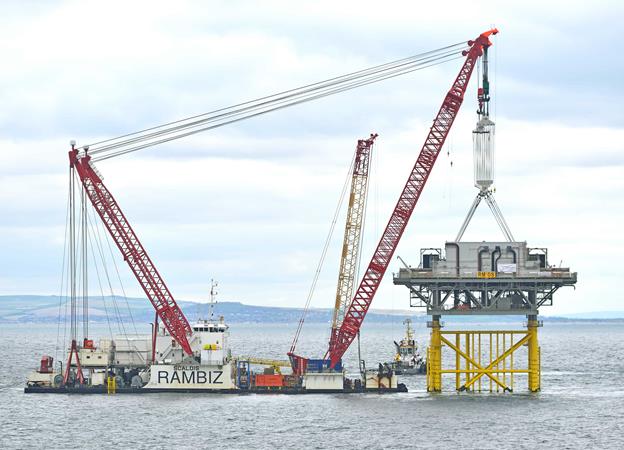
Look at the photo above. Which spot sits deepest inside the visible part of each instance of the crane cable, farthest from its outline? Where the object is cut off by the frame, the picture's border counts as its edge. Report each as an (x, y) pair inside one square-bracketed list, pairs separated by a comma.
[(174, 130), (319, 265), (245, 113), (298, 91)]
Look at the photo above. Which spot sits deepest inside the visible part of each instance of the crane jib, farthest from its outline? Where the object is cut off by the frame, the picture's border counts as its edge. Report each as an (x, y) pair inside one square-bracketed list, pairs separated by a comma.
[(354, 316), (133, 252), (352, 239)]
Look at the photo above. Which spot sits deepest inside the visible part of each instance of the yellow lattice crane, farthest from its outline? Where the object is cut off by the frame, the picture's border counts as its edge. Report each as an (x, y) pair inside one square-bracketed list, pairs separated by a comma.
[(353, 230)]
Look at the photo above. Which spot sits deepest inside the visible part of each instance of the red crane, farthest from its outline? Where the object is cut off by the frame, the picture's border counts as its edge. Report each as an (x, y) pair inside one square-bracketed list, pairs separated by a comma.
[(355, 314), (133, 252), (127, 241)]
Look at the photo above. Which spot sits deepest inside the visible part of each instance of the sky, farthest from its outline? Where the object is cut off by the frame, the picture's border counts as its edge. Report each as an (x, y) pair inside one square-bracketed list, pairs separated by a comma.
[(250, 204)]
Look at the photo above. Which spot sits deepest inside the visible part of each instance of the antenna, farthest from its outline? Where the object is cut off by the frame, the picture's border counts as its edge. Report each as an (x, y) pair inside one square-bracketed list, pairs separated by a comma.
[(213, 296), (409, 333)]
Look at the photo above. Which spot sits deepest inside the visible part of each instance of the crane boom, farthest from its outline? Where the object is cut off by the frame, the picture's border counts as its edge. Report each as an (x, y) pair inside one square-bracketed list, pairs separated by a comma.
[(133, 252), (353, 229), (391, 236)]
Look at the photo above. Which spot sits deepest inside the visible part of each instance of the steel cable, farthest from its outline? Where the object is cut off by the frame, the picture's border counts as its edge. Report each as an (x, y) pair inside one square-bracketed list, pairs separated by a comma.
[(240, 116), (292, 99), (279, 102), (291, 92)]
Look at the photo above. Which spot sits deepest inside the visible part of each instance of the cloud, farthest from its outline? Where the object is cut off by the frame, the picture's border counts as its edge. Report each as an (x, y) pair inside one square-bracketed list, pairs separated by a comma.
[(251, 204)]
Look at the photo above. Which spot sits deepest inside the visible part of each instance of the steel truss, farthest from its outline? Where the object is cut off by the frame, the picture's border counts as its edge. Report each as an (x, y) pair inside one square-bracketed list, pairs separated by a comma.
[(484, 360), (466, 297), (132, 250)]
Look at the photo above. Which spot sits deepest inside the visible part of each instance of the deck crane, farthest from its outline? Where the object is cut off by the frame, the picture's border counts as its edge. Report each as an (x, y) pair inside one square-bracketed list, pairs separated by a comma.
[(133, 252), (350, 255), (355, 314)]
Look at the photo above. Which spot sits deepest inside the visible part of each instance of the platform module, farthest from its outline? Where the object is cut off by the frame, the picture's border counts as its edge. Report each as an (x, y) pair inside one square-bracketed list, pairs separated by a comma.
[(484, 278), (487, 278)]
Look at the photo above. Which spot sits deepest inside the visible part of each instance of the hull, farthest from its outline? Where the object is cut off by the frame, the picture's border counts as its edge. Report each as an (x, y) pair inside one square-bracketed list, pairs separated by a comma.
[(287, 391)]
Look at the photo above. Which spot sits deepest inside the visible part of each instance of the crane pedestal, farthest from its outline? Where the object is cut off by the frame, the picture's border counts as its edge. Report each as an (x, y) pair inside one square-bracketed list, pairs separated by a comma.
[(486, 279)]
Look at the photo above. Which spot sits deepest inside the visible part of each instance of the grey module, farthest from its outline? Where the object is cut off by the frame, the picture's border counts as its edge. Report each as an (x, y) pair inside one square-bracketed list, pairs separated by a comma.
[(484, 278)]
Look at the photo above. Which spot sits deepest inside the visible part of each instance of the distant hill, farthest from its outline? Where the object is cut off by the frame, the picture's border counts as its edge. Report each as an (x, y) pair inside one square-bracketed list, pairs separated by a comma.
[(45, 308), (603, 315)]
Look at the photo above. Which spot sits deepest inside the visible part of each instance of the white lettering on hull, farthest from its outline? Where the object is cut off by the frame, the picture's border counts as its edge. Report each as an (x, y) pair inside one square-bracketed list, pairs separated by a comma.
[(186, 377), (191, 377)]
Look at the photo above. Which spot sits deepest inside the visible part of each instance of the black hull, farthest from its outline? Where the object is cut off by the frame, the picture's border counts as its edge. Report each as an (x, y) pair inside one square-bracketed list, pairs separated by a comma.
[(288, 391)]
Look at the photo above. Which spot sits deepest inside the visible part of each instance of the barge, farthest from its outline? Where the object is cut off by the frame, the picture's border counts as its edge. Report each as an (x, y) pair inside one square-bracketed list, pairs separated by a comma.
[(155, 364)]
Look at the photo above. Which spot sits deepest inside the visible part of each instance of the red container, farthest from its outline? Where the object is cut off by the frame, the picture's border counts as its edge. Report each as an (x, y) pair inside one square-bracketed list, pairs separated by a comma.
[(269, 380)]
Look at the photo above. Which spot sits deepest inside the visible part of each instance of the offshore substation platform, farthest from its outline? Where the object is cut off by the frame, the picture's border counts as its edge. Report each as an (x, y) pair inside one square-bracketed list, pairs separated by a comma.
[(484, 278)]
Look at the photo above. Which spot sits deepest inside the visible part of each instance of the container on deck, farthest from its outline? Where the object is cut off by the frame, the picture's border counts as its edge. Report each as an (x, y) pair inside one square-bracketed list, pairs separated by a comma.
[(269, 380), (324, 381), (322, 365)]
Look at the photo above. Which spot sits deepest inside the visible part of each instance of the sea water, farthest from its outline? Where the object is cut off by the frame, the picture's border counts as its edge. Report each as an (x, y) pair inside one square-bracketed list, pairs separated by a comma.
[(581, 404)]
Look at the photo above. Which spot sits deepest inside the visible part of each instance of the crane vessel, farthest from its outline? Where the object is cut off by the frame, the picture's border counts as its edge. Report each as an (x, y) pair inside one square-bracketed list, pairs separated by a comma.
[(184, 356)]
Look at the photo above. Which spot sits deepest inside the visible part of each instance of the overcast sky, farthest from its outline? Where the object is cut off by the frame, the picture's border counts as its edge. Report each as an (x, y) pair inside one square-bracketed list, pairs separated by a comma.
[(250, 204)]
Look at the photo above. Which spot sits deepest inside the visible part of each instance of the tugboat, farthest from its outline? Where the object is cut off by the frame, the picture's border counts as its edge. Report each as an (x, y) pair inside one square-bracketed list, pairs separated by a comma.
[(407, 360)]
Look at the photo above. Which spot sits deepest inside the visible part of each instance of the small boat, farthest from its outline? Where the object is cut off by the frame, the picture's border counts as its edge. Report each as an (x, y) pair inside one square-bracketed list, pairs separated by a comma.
[(407, 360)]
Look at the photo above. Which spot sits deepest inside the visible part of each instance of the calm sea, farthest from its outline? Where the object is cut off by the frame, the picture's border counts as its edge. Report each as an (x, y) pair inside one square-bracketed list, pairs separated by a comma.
[(581, 404)]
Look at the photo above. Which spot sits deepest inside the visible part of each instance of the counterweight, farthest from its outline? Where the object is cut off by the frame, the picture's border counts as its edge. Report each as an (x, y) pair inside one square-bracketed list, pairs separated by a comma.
[(391, 236)]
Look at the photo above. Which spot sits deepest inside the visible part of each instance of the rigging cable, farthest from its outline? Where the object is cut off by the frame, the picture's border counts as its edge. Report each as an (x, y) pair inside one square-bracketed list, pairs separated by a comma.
[(319, 266), (123, 290), (120, 321), (263, 105), (85, 281), (299, 90), (72, 254), (61, 292), (98, 243), (97, 271), (238, 116)]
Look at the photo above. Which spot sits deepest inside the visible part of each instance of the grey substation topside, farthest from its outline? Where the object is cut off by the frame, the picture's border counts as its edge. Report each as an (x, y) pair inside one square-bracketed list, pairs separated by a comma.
[(483, 278)]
